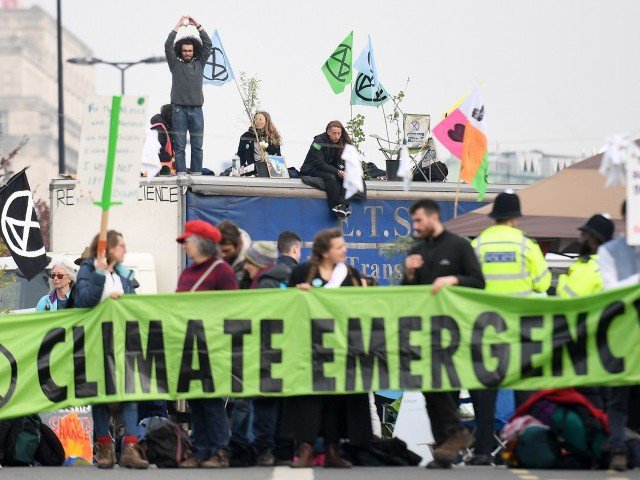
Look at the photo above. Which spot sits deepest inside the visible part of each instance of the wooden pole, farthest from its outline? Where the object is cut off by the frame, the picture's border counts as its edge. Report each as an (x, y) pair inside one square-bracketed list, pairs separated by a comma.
[(102, 237)]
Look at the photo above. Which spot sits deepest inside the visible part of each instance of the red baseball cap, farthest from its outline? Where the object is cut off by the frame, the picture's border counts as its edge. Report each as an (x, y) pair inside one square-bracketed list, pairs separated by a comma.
[(202, 229)]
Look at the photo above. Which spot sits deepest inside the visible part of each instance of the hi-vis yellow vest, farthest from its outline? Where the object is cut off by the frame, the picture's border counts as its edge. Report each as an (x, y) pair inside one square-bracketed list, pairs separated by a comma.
[(511, 262), (583, 278)]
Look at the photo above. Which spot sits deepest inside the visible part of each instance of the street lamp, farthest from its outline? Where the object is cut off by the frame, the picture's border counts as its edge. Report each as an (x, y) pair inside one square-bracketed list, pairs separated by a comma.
[(122, 66)]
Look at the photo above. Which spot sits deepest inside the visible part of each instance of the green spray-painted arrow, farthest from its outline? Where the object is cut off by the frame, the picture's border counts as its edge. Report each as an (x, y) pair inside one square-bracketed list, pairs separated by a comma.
[(107, 186)]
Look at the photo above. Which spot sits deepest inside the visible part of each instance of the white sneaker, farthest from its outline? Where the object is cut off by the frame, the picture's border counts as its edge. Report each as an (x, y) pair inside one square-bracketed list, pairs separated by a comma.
[(339, 211)]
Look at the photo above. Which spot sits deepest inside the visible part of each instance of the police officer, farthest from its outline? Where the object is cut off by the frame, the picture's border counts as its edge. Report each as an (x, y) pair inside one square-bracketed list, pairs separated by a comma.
[(511, 264), (584, 277)]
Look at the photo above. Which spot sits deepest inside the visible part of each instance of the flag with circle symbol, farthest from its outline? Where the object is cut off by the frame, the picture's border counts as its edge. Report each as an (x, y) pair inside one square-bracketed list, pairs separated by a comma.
[(337, 69), (217, 70), (20, 228), (362, 92)]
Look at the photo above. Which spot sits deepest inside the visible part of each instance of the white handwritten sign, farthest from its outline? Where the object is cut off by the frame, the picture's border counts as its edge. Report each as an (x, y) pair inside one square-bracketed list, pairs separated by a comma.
[(97, 142), (633, 200)]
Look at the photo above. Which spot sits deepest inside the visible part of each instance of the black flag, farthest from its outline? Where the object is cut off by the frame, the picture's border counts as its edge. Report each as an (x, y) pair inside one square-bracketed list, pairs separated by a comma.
[(19, 226)]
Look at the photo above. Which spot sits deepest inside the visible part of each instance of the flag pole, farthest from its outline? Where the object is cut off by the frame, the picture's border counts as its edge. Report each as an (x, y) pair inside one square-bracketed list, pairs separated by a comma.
[(386, 126), (253, 127), (455, 201), (351, 90)]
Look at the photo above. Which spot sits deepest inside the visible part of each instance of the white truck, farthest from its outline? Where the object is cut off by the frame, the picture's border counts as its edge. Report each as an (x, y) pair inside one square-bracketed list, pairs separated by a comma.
[(18, 295), (262, 206)]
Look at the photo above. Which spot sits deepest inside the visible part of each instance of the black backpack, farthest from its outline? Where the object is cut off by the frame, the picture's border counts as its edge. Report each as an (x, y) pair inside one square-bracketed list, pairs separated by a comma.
[(242, 454), (25, 440), (167, 443), (434, 172)]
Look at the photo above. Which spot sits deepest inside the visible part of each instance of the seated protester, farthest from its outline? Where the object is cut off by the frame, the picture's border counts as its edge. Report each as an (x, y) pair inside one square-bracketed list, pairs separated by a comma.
[(233, 246), (100, 278), (324, 160), (269, 140), (161, 122), (63, 277)]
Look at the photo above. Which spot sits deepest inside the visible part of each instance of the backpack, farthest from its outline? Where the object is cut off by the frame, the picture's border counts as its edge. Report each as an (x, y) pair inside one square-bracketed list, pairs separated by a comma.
[(579, 435), (536, 447), (434, 172), (242, 454), (50, 451), (571, 437), (25, 440), (382, 452), (167, 443)]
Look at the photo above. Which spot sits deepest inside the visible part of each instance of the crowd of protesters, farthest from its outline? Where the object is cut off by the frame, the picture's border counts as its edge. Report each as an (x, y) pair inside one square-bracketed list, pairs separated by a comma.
[(500, 259)]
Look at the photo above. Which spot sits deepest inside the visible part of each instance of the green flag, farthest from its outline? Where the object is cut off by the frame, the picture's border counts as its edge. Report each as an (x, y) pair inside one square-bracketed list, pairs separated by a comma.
[(338, 68)]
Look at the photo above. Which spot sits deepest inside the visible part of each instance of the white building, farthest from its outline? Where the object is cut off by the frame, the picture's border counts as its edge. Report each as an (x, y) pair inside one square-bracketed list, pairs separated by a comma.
[(29, 95)]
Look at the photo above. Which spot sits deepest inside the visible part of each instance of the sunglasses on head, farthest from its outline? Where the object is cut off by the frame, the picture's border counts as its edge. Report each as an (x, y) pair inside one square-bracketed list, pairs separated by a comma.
[(59, 276)]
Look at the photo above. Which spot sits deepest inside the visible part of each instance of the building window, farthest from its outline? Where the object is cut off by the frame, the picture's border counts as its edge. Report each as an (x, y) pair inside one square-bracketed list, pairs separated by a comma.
[(4, 122)]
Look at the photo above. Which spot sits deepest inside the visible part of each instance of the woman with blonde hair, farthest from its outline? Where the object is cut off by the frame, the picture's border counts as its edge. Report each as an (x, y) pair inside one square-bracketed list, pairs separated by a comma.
[(269, 140), (103, 276)]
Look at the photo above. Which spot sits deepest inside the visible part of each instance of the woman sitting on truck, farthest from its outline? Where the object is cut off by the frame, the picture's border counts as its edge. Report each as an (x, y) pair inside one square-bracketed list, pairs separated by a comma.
[(269, 140), (101, 277), (324, 161), (62, 280)]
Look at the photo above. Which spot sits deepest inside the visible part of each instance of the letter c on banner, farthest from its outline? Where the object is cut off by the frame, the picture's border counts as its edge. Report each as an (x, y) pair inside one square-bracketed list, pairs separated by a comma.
[(14, 376)]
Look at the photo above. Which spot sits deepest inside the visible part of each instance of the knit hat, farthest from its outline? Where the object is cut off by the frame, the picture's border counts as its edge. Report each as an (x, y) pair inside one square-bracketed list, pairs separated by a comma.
[(261, 254)]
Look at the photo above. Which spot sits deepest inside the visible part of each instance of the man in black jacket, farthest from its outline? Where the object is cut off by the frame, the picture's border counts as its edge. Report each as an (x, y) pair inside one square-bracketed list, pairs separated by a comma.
[(289, 253), (271, 448), (441, 259), (186, 60), (324, 160)]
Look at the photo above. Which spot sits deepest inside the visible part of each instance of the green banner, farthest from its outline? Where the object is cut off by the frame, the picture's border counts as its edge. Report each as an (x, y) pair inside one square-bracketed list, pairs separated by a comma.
[(289, 342), (338, 69)]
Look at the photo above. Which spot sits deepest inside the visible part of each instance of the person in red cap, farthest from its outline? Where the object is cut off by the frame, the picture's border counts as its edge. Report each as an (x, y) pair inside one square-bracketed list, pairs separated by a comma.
[(207, 271)]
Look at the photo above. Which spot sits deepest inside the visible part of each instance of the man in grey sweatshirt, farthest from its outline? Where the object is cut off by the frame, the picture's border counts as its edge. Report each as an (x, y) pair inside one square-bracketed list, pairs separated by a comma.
[(187, 59)]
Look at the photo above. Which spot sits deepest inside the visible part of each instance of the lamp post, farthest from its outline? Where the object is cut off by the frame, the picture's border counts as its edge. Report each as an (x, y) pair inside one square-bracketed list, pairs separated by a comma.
[(61, 152), (122, 66)]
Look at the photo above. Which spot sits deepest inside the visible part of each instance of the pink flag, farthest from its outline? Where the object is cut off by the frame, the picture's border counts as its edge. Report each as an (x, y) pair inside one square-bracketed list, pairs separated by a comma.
[(450, 132)]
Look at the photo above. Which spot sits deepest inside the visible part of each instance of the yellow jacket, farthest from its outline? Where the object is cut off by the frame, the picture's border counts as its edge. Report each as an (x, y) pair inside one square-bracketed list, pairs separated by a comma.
[(582, 278), (511, 262)]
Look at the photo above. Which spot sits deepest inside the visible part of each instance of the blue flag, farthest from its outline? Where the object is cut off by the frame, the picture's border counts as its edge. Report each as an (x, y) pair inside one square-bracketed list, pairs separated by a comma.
[(362, 93), (366, 64), (218, 70)]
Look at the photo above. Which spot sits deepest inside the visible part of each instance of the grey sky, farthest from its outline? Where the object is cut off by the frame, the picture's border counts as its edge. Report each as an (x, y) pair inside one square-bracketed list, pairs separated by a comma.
[(558, 75)]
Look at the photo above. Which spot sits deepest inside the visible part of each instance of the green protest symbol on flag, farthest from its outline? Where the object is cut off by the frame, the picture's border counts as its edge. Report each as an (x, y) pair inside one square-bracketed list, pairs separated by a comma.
[(337, 69), (362, 92)]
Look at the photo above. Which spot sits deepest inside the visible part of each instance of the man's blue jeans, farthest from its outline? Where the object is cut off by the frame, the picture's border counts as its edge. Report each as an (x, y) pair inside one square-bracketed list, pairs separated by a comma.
[(185, 118), (209, 426)]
